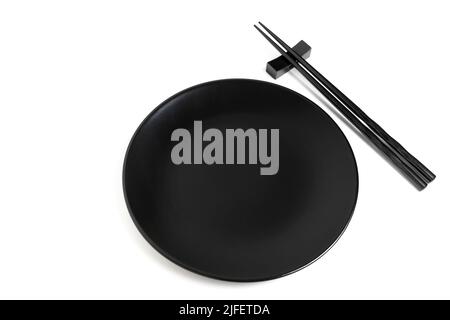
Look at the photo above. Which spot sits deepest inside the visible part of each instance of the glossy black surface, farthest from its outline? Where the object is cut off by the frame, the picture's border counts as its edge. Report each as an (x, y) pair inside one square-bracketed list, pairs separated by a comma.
[(228, 221), (280, 65)]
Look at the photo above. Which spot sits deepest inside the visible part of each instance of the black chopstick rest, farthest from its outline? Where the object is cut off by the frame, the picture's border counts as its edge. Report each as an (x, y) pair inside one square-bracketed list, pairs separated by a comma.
[(280, 65)]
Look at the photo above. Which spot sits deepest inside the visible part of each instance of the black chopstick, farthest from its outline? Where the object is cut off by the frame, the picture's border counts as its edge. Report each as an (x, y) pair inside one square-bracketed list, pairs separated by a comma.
[(397, 159), (424, 171)]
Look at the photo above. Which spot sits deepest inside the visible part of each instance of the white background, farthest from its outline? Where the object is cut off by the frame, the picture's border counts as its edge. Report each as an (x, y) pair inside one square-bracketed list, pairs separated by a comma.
[(78, 77)]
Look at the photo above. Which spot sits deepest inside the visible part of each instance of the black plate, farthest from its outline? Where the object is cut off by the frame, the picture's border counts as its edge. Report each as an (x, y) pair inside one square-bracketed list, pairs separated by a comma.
[(228, 221)]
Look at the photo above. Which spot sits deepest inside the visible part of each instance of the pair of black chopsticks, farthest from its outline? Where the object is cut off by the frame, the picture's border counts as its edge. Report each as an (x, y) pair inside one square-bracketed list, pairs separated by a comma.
[(419, 175)]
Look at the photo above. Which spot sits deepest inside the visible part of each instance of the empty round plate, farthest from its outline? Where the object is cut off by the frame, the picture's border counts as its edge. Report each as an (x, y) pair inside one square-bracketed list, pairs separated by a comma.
[(240, 180)]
